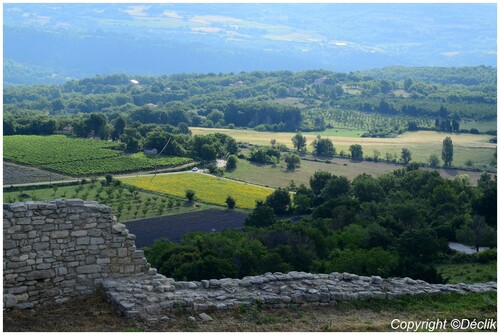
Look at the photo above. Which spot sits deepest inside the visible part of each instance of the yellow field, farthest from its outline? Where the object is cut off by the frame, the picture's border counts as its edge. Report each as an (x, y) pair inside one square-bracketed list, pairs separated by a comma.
[(208, 189), (421, 143)]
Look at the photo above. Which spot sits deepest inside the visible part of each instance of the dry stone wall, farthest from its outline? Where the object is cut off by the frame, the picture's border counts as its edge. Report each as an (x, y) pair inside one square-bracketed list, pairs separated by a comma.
[(63, 249), (70, 248)]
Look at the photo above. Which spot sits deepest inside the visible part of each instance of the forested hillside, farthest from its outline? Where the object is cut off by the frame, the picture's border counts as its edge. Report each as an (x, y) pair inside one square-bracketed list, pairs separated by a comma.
[(267, 101)]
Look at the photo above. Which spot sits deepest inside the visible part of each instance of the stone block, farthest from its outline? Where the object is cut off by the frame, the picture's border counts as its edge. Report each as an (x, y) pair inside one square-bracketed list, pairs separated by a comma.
[(43, 266), (84, 269), (74, 202), (9, 300), (13, 229), (96, 240), (18, 207), (40, 245), (59, 234), (9, 244), (103, 261), (41, 274), (23, 221), (122, 252), (79, 233), (83, 240)]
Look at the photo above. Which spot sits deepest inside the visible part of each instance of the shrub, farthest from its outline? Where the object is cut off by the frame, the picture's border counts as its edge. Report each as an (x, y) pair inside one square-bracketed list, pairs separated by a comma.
[(190, 195), (230, 201), (486, 256)]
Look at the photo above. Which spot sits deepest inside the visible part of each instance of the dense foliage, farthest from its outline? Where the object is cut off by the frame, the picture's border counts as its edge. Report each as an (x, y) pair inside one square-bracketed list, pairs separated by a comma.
[(266, 101), (395, 225)]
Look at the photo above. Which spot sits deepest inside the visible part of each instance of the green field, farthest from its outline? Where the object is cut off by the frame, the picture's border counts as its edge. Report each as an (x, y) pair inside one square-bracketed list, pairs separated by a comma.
[(481, 126), (77, 156), (208, 189), (421, 143), (279, 176), (468, 273), (126, 203)]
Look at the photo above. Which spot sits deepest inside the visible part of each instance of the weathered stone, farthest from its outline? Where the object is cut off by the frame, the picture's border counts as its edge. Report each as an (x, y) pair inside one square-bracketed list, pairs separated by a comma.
[(205, 317), (9, 300), (9, 244), (88, 268), (74, 202), (79, 233), (40, 245), (59, 234), (96, 240), (42, 274)]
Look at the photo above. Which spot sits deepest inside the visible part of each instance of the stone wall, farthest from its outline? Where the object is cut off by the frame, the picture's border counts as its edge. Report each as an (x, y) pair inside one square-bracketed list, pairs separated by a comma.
[(63, 249), (70, 248), (148, 297)]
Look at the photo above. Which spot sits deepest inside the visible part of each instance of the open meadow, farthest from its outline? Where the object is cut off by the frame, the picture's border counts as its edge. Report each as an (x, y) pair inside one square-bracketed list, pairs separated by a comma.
[(422, 144), (279, 176), (208, 189)]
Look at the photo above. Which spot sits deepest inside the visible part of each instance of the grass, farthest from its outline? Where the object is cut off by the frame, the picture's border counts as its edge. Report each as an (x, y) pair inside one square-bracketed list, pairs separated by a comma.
[(421, 143), (468, 273), (278, 176), (95, 314), (126, 203), (208, 189), (479, 125)]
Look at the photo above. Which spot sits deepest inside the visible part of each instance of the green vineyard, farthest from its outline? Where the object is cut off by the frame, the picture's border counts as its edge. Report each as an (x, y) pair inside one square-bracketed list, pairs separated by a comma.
[(77, 157)]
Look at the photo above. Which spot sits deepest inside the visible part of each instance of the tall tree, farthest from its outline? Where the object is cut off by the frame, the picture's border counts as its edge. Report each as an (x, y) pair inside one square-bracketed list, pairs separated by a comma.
[(323, 147), (292, 161), (356, 151), (299, 142), (118, 127), (447, 151), (405, 155)]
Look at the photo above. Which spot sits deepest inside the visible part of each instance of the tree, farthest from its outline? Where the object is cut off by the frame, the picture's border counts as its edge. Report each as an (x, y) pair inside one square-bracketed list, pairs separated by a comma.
[(182, 128), (232, 162), (97, 123), (299, 142), (190, 195), (336, 187), (434, 160), (405, 155), (279, 201), (323, 147), (261, 216), (477, 233), (447, 151), (292, 161), (356, 151), (366, 188), (318, 181), (230, 201), (118, 127)]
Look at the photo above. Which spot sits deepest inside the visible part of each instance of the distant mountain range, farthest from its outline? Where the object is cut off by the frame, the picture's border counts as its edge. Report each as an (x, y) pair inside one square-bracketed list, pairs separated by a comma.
[(49, 43)]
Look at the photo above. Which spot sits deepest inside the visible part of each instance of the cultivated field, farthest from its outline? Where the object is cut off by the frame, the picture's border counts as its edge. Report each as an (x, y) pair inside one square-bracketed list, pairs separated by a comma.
[(209, 189), (127, 203), (421, 143), (173, 227), (279, 176), (77, 156), (19, 174)]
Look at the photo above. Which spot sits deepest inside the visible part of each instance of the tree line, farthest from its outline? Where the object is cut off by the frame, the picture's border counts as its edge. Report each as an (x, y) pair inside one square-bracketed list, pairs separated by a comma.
[(397, 224), (256, 99)]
